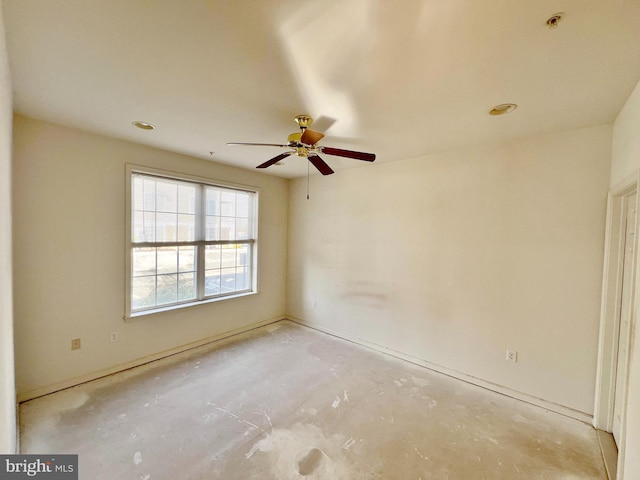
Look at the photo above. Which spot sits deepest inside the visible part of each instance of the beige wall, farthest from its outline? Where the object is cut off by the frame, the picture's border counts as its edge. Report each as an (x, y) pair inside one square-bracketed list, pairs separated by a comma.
[(453, 258), (625, 161), (625, 151), (69, 256), (7, 383)]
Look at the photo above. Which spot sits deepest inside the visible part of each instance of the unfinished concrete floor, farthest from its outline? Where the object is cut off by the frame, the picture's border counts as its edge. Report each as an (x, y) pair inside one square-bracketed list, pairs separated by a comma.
[(287, 402)]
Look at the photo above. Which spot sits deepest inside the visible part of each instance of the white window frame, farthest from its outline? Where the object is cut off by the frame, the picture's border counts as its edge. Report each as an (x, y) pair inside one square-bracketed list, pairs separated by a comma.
[(200, 243)]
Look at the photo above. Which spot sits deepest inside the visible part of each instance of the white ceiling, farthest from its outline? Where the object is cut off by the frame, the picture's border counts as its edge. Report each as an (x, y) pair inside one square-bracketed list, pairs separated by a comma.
[(398, 78)]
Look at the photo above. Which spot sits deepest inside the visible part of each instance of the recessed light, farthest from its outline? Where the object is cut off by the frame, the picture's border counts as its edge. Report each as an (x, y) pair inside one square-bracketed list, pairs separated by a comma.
[(503, 109), (143, 125), (553, 20)]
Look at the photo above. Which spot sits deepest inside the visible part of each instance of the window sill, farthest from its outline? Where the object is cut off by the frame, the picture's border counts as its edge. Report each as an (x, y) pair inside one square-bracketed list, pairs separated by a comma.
[(132, 317)]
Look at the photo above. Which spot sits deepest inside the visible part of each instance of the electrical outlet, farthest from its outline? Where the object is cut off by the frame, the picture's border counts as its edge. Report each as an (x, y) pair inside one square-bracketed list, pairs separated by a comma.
[(314, 304), (75, 344), (512, 356), (114, 337)]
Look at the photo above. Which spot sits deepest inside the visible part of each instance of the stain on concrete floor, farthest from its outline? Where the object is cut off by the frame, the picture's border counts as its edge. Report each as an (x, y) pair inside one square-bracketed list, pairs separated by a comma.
[(287, 402)]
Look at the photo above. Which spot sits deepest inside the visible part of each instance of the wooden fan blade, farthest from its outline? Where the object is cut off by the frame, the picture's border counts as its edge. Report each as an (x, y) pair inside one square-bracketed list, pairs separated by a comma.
[(276, 159), (311, 137), (233, 144), (320, 164), (367, 157)]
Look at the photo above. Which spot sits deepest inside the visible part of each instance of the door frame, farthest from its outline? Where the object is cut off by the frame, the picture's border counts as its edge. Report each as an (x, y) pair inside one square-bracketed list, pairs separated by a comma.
[(610, 308)]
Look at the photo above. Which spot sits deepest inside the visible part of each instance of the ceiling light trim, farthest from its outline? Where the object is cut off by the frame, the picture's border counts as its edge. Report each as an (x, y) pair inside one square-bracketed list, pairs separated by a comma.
[(143, 125), (553, 20), (503, 109)]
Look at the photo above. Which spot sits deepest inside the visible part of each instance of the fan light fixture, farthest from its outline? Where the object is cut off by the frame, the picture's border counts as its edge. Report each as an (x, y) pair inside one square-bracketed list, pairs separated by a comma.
[(143, 125), (503, 109)]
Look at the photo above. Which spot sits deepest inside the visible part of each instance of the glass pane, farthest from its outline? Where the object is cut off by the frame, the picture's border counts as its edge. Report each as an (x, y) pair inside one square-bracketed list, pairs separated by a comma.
[(211, 282), (213, 201), (144, 261), (137, 192), (242, 278), (167, 260), (186, 286), (242, 229), (187, 198), (143, 292), (137, 227), (228, 280), (166, 196), (228, 256), (212, 257), (149, 219), (186, 228), (166, 227), (167, 290), (242, 255), (228, 203), (242, 204), (187, 259), (213, 228), (227, 228), (149, 195)]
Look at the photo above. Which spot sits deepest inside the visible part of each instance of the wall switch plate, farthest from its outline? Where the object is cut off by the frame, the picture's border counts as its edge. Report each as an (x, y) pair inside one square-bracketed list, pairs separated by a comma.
[(314, 304), (114, 337), (75, 344), (512, 356)]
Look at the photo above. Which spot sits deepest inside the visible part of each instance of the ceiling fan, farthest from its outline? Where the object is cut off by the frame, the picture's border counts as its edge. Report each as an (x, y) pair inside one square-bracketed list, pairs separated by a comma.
[(305, 144)]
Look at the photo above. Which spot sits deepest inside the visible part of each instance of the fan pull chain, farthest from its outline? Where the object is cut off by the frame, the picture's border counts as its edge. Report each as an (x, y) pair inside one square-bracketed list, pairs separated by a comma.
[(307, 179)]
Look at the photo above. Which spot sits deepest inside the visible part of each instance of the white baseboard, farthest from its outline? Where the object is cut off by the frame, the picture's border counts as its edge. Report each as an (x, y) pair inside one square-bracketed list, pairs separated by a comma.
[(72, 382), (539, 402)]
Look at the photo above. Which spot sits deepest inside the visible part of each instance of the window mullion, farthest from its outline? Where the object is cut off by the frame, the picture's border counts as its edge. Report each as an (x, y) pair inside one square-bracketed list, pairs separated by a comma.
[(201, 217)]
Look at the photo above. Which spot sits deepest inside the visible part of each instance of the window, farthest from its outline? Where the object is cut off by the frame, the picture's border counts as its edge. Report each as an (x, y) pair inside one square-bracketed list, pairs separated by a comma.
[(190, 242)]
